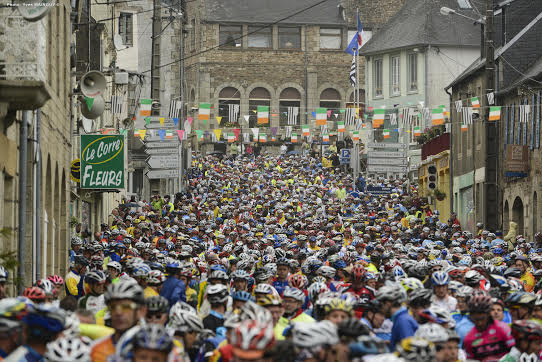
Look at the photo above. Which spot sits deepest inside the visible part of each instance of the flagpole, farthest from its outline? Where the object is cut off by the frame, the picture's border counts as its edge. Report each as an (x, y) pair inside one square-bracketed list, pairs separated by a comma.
[(356, 90)]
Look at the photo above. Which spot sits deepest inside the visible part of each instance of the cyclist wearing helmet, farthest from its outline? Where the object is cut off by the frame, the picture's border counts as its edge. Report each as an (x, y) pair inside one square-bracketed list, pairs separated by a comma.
[(358, 277), (152, 343), (419, 300), (520, 305), (528, 336), (186, 325), (489, 339), (527, 278), (391, 299), (281, 280), (441, 295), (75, 278), (337, 310), (94, 299), (12, 311), (217, 296), (126, 305), (292, 300), (374, 319), (273, 303), (438, 335), (173, 288), (157, 310)]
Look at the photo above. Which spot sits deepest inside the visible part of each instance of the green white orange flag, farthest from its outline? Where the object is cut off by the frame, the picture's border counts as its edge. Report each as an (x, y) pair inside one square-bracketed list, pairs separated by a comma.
[(263, 137), (464, 127), (231, 137), (199, 135), (321, 116), (145, 107), (437, 116), (263, 114), (355, 136), (204, 111), (293, 138), (386, 133), (494, 113), (325, 137), (475, 102), (306, 130), (417, 131), (378, 117), (340, 126), (169, 134)]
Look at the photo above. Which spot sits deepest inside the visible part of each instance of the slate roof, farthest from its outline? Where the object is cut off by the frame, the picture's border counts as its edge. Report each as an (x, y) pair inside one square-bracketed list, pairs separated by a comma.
[(270, 11), (419, 22)]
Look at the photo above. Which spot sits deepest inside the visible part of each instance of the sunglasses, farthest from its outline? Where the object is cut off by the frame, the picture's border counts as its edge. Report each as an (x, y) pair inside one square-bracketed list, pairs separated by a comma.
[(155, 315), (124, 307)]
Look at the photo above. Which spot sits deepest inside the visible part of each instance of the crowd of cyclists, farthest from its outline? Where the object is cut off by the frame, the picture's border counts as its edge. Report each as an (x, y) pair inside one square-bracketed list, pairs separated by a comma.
[(274, 258)]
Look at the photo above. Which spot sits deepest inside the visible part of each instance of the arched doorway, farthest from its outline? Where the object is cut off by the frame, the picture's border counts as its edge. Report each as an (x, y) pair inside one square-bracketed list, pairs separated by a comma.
[(289, 107), (229, 100), (259, 96), (534, 215), (517, 214)]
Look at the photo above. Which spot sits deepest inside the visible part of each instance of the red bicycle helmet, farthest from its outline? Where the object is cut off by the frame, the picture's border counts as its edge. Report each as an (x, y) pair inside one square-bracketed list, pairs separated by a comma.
[(298, 281), (526, 329), (35, 294), (480, 303), (55, 279), (358, 272)]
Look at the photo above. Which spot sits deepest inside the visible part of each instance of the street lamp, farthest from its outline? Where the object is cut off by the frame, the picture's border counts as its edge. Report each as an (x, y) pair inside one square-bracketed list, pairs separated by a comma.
[(447, 11)]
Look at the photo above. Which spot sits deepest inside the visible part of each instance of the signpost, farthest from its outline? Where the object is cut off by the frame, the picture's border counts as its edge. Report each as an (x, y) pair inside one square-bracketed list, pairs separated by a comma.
[(153, 174), (162, 151), (391, 169), (386, 154), (345, 156), (387, 161), (102, 162), (400, 146), (379, 190), (165, 144), (163, 161)]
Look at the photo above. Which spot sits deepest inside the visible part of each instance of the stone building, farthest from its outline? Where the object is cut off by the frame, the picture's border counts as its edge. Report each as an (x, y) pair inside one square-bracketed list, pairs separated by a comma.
[(517, 83), (273, 53), (41, 87)]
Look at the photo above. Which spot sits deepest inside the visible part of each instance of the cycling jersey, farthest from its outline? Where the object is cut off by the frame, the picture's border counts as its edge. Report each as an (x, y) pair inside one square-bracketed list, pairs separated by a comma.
[(74, 285), (491, 344), (280, 286), (92, 303), (24, 354), (102, 349)]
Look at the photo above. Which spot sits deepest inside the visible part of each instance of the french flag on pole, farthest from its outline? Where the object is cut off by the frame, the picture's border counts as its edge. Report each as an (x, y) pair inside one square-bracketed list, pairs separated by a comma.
[(357, 40)]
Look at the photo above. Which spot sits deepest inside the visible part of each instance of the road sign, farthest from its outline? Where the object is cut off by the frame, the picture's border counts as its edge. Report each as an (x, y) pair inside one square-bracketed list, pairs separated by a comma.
[(161, 151), (387, 161), (165, 144), (392, 169), (401, 146), (156, 138), (344, 157), (102, 162), (379, 190), (386, 154), (163, 161), (153, 174)]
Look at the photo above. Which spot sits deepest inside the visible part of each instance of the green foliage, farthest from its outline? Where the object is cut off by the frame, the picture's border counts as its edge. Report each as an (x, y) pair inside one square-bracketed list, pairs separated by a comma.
[(8, 258), (73, 222)]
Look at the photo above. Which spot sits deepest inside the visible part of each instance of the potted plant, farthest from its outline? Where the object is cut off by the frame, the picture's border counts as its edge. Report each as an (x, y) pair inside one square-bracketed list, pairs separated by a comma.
[(439, 195)]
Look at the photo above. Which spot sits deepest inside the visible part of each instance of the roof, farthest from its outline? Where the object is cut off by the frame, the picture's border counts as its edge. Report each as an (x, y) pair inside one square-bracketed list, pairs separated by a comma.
[(270, 11), (419, 22), (534, 72)]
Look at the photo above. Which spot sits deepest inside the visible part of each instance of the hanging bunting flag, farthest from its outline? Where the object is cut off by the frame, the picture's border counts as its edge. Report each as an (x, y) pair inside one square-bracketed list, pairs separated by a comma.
[(293, 112), (218, 133), (204, 111), (174, 108), (218, 120), (162, 120), (233, 113), (274, 131), (246, 137), (142, 133), (263, 114), (475, 102), (199, 134), (321, 116), (386, 133), (491, 98), (363, 126), (437, 116), (336, 115), (350, 116), (180, 134), (293, 138), (306, 131), (458, 106), (417, 131), (190, 119), (525, 110), (137, 133), (393, 119), (288, 131), (263, 138), (328, 113), (162, 134), (145, 107), (378, 117), (147, 121), (231, 137), (176, 121), (236, 132), (342, 110), (255, 132), (355, 136), (340, 126), (467, 115), (494, 113), (246, 117), (116, 104), (464, 127), (325, 137)]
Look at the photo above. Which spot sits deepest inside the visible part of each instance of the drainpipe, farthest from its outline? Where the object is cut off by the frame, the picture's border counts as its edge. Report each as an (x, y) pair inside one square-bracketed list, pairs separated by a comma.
[(37, 193), (22, 200), (450, 157)]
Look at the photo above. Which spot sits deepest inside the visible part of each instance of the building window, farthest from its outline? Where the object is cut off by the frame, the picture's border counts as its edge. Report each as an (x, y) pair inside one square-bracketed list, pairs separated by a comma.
[(330, 38), (289, 107), (289, 37), (413, 72), (377, 77), (258, 97), (395, 66), (229, 100), (193, 35), (259, 37), (230, 36), (126, 30), (331, 99)]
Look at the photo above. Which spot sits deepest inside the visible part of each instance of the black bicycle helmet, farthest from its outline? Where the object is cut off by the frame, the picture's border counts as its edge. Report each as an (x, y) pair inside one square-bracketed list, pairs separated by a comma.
[(157, 304)]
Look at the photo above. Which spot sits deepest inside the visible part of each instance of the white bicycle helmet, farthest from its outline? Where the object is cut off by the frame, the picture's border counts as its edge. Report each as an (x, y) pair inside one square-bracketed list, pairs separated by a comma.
[(392, 293), (217, 293), (308, 335), (125, 289), (155, 277), (295, 293), (443, 314), (326, 271), (263, 289), (432, 332), (68, 350), (116, 265), (185, 321)]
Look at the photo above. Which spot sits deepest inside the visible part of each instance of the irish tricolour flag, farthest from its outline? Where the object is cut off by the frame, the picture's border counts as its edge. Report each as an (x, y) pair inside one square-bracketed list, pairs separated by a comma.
[(475, 102), (169, 134), (355, 136), (378, 117), (386, 133), (293, 138), (464, 127), (321, 116), (145, 107), (263, 114), (340, 126), (437, 116), (494, 113), (204, 111), (417, 131)]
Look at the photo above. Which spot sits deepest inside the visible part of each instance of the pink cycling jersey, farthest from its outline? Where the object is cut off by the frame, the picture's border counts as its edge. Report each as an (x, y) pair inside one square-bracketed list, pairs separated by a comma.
[(491, 344)]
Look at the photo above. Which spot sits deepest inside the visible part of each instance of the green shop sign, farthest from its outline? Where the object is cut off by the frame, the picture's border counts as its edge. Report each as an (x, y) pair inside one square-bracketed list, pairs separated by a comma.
[(102, 162)]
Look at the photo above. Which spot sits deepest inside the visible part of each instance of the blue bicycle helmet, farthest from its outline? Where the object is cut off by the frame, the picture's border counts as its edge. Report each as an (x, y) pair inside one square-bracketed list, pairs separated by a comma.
[(440, 278), (242, 296)]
